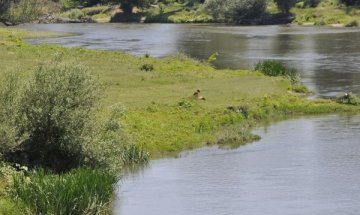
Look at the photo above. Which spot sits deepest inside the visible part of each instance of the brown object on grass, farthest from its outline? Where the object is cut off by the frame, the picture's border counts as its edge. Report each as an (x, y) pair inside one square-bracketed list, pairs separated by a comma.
[(198, 96)]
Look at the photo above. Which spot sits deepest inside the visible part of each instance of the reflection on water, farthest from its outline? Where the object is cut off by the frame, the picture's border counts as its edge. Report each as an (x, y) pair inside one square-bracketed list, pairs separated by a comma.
[(328, 58), (306, 166)]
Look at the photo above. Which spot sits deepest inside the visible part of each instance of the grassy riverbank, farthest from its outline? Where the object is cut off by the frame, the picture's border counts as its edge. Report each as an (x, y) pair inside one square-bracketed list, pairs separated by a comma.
[(161, 114), (327, 12)]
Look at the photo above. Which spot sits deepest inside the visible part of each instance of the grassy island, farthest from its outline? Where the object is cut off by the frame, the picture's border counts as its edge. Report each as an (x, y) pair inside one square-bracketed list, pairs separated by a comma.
[(160, 113)]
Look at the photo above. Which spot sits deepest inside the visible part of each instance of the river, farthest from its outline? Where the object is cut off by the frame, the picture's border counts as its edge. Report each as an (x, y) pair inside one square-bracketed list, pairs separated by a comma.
[(300, 166)]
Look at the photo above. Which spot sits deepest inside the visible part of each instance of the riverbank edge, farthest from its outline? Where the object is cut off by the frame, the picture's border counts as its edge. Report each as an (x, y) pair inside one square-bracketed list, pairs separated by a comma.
[(228, 125)]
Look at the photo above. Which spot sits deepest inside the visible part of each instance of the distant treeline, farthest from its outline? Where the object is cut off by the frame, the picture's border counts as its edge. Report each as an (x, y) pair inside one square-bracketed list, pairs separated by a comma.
[(231, 11)]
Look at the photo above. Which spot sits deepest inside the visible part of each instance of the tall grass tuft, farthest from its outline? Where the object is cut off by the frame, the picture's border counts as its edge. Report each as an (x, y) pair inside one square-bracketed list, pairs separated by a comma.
[(81, 191), (277, 68)]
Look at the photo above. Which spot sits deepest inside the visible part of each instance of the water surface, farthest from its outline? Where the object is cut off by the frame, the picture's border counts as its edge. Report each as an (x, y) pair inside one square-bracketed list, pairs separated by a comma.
[(303, 166), (328, 58)]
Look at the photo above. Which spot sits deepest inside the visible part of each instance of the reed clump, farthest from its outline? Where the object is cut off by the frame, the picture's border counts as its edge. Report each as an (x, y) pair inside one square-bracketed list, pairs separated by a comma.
[(78, 192)]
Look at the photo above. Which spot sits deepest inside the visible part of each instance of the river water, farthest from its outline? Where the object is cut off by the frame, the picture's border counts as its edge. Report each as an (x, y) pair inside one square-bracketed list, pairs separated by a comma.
[(300, 166), (328, 58), (303, 166)]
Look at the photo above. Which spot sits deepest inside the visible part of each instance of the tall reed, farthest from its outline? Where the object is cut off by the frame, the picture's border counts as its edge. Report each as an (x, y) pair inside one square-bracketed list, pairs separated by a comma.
[(81, 191), (277, 68)]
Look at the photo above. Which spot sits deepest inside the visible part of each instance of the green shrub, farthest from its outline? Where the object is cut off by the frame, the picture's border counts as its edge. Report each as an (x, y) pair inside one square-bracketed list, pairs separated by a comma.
[(81, 191), (52, 120), (236, 135), (147, 67), (277, 68), (352, 23), (300, 88)]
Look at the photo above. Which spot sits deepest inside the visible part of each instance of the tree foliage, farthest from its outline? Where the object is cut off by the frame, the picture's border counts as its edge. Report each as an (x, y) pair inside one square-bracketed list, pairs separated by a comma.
[(285, 5), (4, 6), (350, 2), (236, 11), (127, 5)]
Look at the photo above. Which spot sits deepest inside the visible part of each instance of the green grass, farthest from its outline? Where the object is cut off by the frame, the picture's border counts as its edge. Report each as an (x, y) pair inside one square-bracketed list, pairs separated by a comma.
[(328, 12), (276, 68), (79, 192), (8, 206), (99, 13)]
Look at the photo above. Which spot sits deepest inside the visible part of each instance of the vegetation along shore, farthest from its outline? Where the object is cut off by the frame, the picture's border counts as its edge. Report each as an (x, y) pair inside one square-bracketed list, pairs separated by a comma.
[(246, 12), (73, 118)]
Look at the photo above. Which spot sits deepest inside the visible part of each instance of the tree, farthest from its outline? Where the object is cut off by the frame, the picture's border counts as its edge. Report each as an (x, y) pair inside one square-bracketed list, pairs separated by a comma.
[(4, 6), (236, 11), (127, 5), (311, 3), (350, 2), (285, 5)]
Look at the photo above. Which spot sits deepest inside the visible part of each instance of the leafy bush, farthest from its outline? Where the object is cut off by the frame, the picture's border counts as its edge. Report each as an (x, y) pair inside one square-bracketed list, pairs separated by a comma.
[(81, 191), (352, 23), (147, 67), (300, 88), (277, 68), (237, 11), (236, 135), (52, 121)]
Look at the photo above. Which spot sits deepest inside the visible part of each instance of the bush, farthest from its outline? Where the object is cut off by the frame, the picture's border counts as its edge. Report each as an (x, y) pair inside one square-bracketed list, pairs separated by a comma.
[(236, 11), (352, 23), (147, 67), (277, 68), (52, 121), (82, 191)]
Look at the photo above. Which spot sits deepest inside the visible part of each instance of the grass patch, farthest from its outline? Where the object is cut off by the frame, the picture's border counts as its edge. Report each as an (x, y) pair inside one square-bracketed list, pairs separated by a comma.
[(276, 68), (328, 12), (81, 191), (9, 206)]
